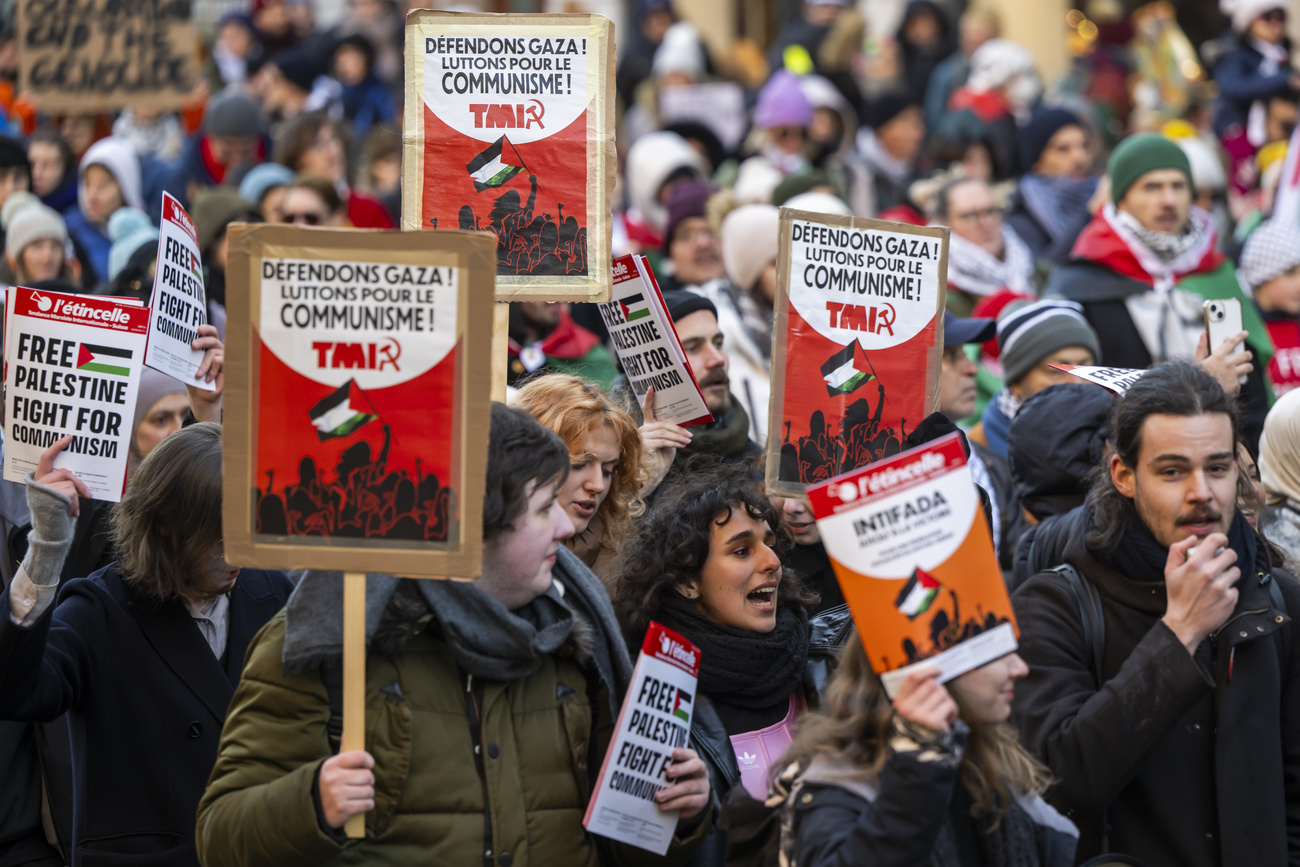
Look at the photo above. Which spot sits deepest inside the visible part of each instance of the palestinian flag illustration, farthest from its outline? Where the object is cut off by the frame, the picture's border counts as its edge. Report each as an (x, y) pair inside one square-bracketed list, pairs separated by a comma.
[(194, 267), (634, 307), (489, 169), (682, 706), (103, 359), (847, 370), (917, 594), (341, 413)]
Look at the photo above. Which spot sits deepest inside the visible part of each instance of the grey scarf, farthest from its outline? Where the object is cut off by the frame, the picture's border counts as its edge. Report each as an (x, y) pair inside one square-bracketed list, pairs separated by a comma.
[(1166, 245), (485, 639)]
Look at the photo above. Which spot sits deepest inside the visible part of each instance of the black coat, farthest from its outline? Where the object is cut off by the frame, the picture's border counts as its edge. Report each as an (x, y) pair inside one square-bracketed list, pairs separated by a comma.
[(145, 702), (1190, 765)]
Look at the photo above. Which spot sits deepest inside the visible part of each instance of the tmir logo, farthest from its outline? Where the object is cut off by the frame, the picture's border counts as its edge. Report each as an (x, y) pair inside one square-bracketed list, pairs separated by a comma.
[(506, 116), (671, 648), (358, 356)]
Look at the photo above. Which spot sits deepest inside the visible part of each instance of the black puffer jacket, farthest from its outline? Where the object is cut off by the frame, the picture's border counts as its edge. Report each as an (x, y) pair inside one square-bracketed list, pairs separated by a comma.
[(709, 737)]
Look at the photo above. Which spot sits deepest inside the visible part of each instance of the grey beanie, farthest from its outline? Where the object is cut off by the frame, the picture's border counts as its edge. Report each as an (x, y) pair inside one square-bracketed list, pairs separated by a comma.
[(235, 116), (1029, 332), (32, 223)]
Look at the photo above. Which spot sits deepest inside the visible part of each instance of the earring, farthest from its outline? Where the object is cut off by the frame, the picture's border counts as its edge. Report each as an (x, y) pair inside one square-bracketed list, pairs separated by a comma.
[(692, 594)]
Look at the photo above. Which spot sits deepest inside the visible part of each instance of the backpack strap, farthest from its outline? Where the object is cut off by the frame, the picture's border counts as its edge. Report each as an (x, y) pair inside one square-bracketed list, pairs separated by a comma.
[(1090, 614), (331, 672)]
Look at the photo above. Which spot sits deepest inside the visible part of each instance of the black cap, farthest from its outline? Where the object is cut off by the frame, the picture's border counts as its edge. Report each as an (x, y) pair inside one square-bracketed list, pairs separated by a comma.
[(13, 155), (959, 332), (681, 303)]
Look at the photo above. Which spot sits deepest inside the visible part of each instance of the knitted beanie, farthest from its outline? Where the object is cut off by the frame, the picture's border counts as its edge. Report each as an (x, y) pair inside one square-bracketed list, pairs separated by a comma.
[(235, 116), (1244, 12), (14, 204), (214, 210), (130, 230), (681, 303), (30, 224), (261, 179), (1142, 153), (781, 103), (686, 200), (14, 155), (749, 240), (1035, 135), (1028, 333), (1270, 251)]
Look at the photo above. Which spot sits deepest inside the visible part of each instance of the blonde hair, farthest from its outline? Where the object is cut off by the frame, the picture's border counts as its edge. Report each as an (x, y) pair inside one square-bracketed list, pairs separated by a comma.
[(573, 407), (856, 721)]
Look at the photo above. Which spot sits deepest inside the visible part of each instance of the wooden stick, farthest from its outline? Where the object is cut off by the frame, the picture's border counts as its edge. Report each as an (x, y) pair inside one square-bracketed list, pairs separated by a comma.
[(354, 678), (500, 349)]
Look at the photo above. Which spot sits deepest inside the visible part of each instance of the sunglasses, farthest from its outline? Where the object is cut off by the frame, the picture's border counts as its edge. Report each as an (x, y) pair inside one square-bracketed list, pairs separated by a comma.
[(1273, 16), (309, 218)]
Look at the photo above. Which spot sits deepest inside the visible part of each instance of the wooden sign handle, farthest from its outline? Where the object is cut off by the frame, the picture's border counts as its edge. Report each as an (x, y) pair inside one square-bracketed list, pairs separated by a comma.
[(354, 678), (500, 349)]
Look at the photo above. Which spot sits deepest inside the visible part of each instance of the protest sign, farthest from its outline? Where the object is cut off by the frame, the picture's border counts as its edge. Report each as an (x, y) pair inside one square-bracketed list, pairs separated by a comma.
[(510, 129), (719, 105), (909, 544), (178, 305), (654, 720), (72, 367), (859, 320), (1116, 379), (646, 342), (98, 55), (357, 403)]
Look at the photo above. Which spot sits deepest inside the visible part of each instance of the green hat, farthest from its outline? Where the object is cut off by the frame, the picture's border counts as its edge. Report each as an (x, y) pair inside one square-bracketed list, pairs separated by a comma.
[(1139, 154)]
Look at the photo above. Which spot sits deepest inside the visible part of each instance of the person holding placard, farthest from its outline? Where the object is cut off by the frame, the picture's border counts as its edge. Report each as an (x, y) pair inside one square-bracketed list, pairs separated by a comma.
[(708, 563), (143, 655), (1184, 671), (937, 778), (490, 704)]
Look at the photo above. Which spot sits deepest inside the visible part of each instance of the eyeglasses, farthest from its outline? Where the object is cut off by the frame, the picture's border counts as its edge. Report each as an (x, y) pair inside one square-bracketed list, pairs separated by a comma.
[(309, 218), (982, 214)]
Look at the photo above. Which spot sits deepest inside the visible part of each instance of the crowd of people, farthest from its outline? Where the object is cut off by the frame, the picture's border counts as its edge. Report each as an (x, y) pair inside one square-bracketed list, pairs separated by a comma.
[(161, 706)]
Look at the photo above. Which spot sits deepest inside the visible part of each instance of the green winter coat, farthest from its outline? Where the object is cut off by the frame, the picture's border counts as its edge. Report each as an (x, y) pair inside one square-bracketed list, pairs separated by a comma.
[(542, 740)]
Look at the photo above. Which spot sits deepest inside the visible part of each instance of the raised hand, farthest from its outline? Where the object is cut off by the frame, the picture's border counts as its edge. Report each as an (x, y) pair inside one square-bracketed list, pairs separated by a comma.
[(206, 405), (63, 481)]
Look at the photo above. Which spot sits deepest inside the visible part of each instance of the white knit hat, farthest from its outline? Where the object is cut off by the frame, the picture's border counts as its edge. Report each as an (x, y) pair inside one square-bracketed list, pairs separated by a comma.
[(680, 51), (1272, 249), (749, 237), (822, 203), (1244, 12), (32, 223)]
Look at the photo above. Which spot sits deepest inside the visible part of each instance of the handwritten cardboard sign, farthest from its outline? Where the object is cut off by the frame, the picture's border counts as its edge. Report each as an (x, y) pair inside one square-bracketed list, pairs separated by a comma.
[(97, 55)]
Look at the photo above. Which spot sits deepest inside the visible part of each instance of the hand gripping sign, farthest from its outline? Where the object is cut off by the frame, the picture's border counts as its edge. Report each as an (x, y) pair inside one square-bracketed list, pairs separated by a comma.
[(654, 720), (909, 544), (857, 342), (72, 367), (509, 130)]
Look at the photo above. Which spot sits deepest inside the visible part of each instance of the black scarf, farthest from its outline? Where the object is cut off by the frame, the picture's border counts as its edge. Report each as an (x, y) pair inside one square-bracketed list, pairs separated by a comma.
[(727, 435), (742, 668), (1139, 557)]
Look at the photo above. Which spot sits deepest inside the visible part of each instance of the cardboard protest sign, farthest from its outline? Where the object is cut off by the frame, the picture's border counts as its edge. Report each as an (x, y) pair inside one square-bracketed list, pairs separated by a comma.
[(859, 321), (357, 406), (98, 55), (719, 105), (654, 720), (647, 345), (1116, 379), (909, 544), (509, 129), (72, 367), (178, 305)]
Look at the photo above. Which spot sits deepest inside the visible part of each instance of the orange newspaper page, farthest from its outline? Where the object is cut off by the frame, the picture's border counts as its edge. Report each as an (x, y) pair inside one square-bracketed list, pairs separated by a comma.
[(914, 557)]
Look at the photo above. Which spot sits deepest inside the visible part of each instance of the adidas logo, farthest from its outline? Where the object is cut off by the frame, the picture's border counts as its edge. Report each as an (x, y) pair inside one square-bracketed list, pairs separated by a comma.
[(747, 759)]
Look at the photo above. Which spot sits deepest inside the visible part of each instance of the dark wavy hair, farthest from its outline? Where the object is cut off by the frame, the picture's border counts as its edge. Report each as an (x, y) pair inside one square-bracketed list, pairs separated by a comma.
[(1177, 388), (671, 544), (520, 452)]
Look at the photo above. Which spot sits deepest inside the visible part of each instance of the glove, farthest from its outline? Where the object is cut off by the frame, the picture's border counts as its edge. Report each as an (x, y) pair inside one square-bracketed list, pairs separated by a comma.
[(50, 538)]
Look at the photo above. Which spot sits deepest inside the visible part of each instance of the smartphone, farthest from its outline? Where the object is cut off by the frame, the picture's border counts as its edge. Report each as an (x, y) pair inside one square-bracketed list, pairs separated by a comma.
[(1222, 320)]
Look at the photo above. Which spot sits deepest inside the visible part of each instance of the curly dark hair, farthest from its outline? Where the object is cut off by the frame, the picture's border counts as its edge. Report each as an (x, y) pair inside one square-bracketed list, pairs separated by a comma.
[(671, 543)]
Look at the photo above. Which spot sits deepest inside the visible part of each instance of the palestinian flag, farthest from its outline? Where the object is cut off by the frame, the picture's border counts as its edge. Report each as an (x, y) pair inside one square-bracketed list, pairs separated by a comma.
[(917, 594), (103, 359), (634, 307), (194, 267), (342, 412), (682, 706), (847, 370), (489, 170)]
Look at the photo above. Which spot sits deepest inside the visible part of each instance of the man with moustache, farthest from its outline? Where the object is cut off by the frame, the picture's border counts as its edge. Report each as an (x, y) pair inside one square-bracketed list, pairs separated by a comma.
[(1172, 722), (727, 436), (1144, 266)]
